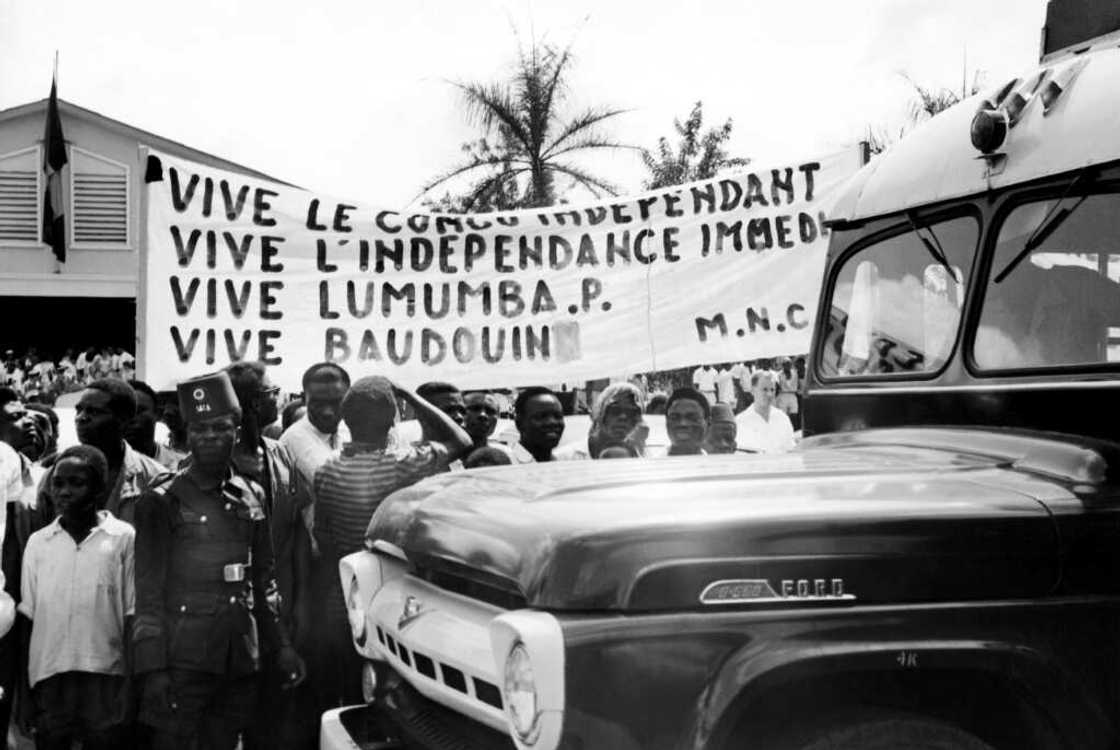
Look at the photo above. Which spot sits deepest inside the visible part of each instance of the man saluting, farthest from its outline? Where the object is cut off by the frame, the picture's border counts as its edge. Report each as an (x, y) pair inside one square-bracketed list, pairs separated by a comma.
[(204, 586)]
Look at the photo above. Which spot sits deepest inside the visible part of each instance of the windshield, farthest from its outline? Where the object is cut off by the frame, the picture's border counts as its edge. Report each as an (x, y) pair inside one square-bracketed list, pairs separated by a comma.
[(896, 304), (1060, 303)]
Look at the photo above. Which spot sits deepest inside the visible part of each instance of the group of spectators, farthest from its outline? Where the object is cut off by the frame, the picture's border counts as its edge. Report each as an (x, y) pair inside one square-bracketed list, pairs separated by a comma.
[(730, 383), (185, 590), (40, 379)]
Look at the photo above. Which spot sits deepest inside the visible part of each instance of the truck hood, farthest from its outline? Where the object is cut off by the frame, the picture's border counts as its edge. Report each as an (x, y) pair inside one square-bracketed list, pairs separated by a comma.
[(895, 522)]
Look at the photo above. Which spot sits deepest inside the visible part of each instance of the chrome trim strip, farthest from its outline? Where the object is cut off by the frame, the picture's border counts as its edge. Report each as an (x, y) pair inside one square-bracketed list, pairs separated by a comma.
[(768, 595), (390, 549), (887, 389)]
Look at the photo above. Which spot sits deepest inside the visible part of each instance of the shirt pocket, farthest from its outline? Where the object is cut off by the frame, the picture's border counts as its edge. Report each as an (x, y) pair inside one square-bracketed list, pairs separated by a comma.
[(192, 525)]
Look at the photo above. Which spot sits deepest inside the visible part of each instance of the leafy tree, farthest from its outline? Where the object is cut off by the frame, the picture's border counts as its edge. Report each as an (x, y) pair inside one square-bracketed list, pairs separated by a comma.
[(526, 146), (698, 157)]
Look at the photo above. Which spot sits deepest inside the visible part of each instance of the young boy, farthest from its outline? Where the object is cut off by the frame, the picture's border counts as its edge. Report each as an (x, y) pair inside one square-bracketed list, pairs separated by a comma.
[(77, 590)]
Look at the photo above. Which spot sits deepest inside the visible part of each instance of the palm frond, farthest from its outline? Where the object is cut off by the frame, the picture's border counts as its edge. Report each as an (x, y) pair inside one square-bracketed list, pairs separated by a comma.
[(491, 106), (498, 161), (582, 122), (488, 187), (586, 179), (589, 143)]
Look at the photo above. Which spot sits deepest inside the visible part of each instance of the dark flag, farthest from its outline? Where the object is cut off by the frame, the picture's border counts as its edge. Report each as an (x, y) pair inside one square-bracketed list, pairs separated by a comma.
[(54, 159)]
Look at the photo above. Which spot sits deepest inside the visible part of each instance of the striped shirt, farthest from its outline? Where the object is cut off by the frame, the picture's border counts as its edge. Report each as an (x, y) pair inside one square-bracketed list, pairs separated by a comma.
[(348, 489)]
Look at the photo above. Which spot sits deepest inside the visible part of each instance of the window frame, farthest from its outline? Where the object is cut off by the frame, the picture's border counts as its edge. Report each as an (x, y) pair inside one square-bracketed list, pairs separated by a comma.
[(39, 187), (1053, 191), (71, 222), (899, 226)]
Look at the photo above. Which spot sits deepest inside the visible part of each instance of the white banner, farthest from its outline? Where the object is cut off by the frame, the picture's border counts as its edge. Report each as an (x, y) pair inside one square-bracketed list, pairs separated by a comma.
[(241, 268)]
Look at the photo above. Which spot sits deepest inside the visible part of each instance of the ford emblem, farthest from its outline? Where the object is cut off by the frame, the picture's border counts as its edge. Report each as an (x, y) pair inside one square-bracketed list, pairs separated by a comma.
[(413, 608)]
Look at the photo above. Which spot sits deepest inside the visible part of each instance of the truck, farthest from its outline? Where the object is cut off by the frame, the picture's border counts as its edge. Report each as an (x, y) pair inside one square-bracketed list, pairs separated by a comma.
[(936, 566)]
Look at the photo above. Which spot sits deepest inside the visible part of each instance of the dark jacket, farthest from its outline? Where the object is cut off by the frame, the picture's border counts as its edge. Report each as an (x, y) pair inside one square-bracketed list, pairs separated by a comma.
[(189, 613)]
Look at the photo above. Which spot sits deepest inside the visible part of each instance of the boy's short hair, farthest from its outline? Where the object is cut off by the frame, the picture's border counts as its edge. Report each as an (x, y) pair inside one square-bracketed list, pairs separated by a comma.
[(618, 447), (527, 393), (94, 461), (690, 394), (487, 455)]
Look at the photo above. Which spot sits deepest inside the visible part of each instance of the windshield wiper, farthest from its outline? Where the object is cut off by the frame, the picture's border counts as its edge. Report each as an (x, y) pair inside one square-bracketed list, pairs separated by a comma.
[(1050, 222), (932, 245)]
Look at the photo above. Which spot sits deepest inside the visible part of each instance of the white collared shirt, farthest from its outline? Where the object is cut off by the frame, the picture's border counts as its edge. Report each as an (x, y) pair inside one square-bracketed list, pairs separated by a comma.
[(704, 378), (774, 435), (310, 448), (77, 596)]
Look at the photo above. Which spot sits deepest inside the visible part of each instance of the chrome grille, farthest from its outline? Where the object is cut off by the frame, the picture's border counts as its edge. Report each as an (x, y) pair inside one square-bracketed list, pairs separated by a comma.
[(419, 663)]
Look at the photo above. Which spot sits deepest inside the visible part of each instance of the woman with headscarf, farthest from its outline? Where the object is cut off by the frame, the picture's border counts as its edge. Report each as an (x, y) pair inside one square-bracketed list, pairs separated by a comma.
[(616, 420)]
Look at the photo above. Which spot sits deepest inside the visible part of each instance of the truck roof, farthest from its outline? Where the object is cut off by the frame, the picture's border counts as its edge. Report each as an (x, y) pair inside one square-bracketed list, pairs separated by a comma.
[(938, 162)]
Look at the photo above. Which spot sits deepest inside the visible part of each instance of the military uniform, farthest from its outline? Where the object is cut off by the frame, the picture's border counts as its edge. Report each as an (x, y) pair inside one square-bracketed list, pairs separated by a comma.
[(206, 601)]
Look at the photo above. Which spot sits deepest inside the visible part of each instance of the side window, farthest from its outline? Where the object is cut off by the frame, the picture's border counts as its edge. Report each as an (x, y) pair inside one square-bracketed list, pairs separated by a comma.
[(19, 197), (1052, 297), (896, 305)]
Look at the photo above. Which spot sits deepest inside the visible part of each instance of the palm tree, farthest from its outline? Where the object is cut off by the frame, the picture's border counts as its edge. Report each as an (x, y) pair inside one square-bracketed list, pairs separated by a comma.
[(525, 145), (927, 102)]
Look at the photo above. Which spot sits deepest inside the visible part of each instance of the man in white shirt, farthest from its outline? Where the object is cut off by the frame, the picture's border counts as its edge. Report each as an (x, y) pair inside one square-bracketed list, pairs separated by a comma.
[(761, 427), (319, 435), (725, 386), (704, 378)]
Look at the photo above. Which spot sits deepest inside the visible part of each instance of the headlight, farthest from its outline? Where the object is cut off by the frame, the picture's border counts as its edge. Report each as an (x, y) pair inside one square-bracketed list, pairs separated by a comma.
[(355, 611), (369, 682), (520, 690)]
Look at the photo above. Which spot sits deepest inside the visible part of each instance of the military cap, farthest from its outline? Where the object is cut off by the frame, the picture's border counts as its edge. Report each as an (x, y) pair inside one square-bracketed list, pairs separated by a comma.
[(207, 397)]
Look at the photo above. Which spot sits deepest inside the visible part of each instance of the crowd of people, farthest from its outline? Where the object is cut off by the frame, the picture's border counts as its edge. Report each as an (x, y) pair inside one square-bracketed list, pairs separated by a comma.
[(41, 379), (184, 589)]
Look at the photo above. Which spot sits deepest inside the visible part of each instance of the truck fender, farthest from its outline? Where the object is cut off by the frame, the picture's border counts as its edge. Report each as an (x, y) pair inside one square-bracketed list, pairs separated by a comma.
[(750, 673)]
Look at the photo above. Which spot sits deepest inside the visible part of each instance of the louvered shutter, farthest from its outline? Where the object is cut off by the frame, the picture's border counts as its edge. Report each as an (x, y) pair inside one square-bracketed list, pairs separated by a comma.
[(100, 205), (19, 196)]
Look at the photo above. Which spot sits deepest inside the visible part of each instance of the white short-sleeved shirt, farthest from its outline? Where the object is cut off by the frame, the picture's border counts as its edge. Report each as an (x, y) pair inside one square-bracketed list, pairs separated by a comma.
[(704, 378), (77, 596), (774, 435), (725, 386), (310, 448), (519, 454)]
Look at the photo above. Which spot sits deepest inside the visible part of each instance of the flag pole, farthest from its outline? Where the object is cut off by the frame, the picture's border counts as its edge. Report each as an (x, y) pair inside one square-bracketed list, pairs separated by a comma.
[(54, 81)]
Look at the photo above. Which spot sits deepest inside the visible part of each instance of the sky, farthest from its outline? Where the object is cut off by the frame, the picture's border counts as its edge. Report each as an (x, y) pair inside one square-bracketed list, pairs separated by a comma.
[(355, 98)]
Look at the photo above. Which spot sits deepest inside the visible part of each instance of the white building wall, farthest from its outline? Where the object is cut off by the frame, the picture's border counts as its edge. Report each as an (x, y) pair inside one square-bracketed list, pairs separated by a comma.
[(30, 269)]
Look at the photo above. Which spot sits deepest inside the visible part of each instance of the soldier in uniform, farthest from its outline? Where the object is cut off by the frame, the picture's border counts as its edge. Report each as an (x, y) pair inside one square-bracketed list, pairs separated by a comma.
[(206, 598)]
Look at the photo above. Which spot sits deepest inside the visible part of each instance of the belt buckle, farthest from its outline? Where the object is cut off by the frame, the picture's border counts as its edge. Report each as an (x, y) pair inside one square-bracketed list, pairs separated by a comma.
[(234, 572)]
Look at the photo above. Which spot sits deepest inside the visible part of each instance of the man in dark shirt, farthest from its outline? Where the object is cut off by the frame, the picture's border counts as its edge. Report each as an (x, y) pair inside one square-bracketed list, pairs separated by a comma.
[(205, 587), (285, 718), (104, 410)]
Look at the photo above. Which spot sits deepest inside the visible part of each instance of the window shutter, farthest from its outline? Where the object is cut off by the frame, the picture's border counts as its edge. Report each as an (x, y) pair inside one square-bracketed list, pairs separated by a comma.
[(19, 196), (100, 208)]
